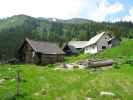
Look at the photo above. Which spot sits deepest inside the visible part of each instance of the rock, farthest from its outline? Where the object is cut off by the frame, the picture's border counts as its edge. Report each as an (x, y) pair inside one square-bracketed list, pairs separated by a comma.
[(12, 80), (43, 91), (69, 66), (83, 62), (75, 66), (106, 93), (9, 69), (59, 68), (36, 94), (88, 98), (1, 81), (82, 66)]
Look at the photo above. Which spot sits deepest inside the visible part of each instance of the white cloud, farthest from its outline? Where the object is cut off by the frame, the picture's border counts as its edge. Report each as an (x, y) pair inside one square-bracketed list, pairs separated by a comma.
[(91, 9), (104, 8), (129, 17), (41, 8)]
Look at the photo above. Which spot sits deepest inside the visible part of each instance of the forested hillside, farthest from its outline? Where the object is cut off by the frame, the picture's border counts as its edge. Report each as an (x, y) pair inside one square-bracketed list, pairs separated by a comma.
[(14, 29)]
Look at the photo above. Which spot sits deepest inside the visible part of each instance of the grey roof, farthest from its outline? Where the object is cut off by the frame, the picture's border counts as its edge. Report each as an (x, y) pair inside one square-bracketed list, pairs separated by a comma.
[(94, 39), (83, 44), (44, 47), (78, 44)]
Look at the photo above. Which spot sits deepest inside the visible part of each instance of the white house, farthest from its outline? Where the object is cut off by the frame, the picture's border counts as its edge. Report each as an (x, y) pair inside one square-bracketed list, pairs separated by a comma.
[(99, 42)]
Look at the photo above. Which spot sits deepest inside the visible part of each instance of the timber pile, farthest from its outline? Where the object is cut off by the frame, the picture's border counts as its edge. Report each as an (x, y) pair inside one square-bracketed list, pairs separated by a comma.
[(97, 63), (88, 63)]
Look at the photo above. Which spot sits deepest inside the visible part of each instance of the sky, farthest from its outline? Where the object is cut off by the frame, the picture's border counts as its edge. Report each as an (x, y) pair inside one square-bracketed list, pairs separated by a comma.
[(97, 10)]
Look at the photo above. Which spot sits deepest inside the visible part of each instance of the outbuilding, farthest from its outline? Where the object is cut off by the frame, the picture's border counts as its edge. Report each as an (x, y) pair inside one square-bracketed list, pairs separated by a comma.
[(40, 52), (74, 47)]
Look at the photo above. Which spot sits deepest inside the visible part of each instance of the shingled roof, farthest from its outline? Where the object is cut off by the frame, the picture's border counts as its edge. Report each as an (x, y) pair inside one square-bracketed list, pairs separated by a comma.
[(44, 47)]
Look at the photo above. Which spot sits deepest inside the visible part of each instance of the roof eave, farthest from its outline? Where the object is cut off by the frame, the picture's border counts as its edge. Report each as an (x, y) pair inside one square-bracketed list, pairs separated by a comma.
[(31, 45)]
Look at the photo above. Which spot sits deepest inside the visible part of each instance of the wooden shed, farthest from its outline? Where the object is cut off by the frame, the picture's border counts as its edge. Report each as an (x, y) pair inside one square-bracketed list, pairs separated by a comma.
[(40, 52)]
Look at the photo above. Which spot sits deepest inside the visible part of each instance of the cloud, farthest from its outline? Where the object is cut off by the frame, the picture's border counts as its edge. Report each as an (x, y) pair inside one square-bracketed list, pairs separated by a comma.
[(42, 8), (104, 8), (129, 17), (96, 10)]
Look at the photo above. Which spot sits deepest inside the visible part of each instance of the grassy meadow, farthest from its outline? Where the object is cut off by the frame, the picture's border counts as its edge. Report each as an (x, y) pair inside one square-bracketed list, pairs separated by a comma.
[(47, 83), (40, 83)]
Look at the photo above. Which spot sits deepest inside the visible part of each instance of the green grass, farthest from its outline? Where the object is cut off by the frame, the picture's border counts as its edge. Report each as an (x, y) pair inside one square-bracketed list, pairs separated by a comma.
[(45, 83), (79, 57), (75, 84)]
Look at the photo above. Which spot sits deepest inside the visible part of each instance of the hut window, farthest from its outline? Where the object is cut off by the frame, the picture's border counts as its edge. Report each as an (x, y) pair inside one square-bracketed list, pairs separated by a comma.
[(109, 42), (33, 53), (103, 47)]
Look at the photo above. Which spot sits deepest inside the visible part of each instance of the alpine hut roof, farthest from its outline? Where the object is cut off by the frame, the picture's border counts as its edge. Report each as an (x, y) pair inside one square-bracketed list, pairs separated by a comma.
[(44, 47), (94, 39)]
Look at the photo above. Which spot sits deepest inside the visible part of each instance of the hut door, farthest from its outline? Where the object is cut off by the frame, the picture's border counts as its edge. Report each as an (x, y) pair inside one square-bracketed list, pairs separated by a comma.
[(22, 57), (39, 58)]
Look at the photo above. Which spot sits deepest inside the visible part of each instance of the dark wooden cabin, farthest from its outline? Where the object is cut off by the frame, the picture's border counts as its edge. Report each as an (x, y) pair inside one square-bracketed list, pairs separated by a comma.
[(40, 52)]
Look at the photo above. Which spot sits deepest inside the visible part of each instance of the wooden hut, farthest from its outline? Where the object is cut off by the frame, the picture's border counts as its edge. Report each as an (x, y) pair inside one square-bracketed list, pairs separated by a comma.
[(40, 52)]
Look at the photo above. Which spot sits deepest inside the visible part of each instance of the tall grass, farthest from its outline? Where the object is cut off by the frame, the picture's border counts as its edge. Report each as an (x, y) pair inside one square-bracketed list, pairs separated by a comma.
[(40, 83)]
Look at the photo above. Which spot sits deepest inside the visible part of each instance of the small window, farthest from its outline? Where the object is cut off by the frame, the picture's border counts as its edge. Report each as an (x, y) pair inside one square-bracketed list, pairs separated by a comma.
[(109, 42), (103, 47)]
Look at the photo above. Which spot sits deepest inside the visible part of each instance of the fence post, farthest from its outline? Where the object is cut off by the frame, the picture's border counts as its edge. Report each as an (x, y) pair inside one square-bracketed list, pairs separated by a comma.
[(18, 83)]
